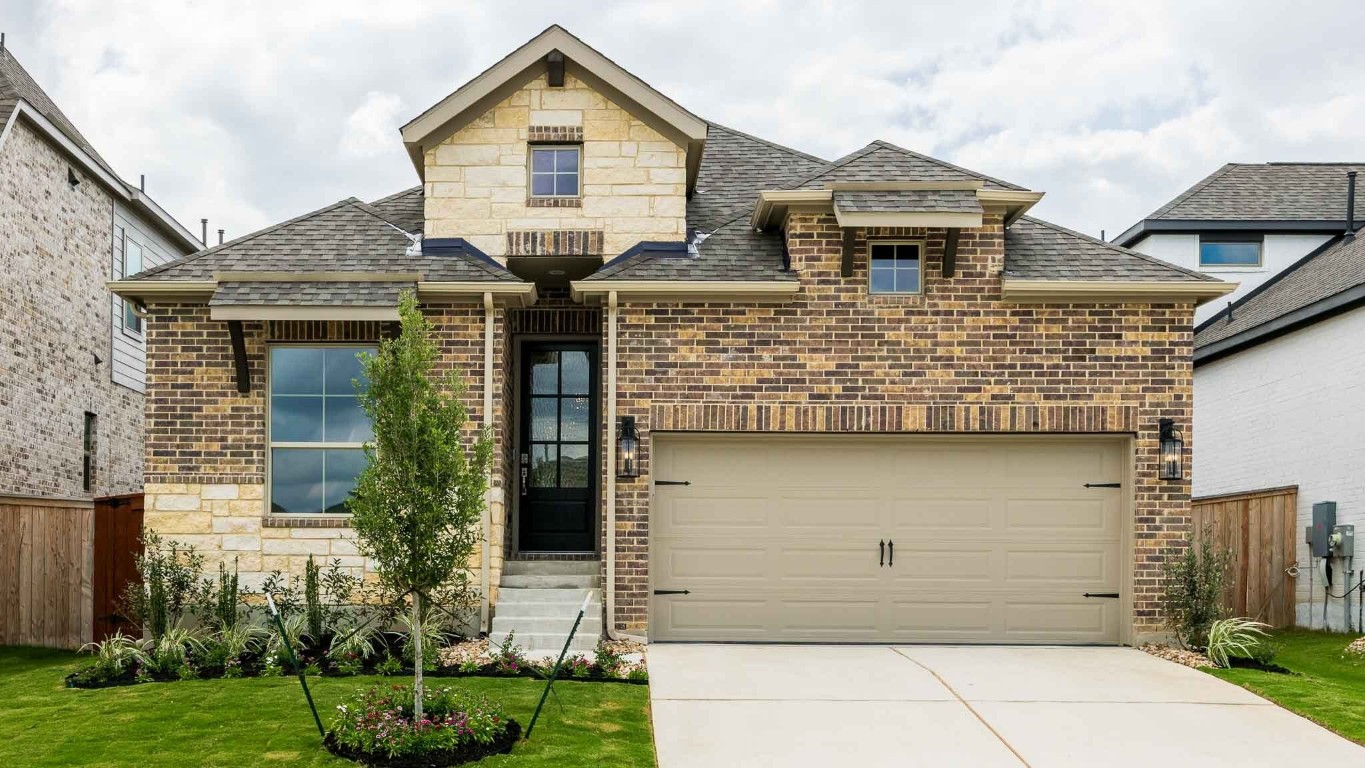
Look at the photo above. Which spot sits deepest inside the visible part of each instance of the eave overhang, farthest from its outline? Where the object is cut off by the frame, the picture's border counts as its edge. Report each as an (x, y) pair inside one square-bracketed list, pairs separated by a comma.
[(1148, 227), (685, 291), (1022, 291), (775, 205), (499, 81), (201, 291)]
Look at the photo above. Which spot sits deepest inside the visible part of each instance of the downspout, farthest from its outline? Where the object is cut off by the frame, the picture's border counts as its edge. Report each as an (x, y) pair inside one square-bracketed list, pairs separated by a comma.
[(610, 464), (486, 564)]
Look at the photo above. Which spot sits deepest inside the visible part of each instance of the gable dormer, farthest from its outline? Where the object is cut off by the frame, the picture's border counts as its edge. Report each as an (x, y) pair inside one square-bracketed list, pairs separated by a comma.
[(556, 153)]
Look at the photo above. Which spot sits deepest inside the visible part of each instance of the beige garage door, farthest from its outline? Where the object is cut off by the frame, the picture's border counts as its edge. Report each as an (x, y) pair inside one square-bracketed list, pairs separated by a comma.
[(896, 539)]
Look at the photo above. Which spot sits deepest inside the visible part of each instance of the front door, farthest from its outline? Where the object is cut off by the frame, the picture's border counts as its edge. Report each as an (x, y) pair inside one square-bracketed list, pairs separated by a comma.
[(558, 459)]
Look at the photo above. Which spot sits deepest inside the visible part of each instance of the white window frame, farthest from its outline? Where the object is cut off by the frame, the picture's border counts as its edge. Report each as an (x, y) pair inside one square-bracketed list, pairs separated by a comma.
[(531, 172), (919, 245), (129, 330), (271, 445)]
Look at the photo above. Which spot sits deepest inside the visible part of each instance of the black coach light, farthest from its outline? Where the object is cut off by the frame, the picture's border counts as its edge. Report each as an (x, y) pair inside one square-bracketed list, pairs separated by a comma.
[(1172, 451), (628, 449)]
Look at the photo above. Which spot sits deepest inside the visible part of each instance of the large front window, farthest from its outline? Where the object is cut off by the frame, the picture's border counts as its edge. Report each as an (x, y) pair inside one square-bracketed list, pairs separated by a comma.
[(317, 428)]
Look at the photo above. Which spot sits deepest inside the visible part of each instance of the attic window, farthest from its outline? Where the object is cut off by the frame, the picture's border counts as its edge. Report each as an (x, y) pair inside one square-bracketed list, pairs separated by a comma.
[(555, 171), (895, 267), (1229, 252)]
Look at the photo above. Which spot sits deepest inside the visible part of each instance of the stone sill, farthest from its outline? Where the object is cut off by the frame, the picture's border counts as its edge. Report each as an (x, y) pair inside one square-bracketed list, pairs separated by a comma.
[(301, 521), (554, 202)]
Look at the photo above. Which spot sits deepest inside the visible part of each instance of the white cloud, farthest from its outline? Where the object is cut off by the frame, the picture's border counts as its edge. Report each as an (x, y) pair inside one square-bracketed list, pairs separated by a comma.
[(251, 111), (371, 129)]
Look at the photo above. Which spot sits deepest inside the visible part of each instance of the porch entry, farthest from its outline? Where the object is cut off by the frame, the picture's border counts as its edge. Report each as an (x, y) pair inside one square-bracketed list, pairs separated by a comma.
[(557, 457)]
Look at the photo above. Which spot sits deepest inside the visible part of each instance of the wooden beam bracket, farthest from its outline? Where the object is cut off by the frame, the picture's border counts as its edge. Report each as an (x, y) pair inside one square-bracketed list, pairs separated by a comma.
[(950, 251), (239, 356), (846, 264)]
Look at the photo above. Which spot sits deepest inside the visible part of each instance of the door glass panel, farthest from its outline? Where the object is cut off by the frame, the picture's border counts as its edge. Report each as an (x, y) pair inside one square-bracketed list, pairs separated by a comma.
[(573, 419), (544, 465), (575, 373), (545, 373), (544, 419), (573, 465)]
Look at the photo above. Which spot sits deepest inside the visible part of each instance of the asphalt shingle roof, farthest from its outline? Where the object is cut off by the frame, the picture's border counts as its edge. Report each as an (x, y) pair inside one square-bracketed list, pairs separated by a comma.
[(908, 201), (733, 252), (347, 236), (352, 293), (883, 161), (1268, 191), (1336, 268), (16, 83), (734, 168), (404, 208), (1039, 250)]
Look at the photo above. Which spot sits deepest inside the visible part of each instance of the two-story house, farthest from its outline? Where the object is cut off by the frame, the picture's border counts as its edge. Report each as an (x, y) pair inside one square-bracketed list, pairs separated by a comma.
[(738, 392), (1278, 363), (72, 358)]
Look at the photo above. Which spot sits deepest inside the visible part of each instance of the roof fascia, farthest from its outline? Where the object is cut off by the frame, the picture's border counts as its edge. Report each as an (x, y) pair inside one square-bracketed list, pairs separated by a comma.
[(589, 291), (936, 219), (294, 312), (1302, 317), (1195, 226), (1023, 291)]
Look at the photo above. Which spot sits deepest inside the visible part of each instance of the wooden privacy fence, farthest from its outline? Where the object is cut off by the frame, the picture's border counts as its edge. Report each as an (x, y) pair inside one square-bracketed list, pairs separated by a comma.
[(1260, 529), (46, 593)]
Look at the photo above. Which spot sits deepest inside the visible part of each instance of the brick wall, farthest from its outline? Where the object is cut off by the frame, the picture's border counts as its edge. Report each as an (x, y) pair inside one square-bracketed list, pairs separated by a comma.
[(633, 181), (206, 442), (55, 320), (955, 359)]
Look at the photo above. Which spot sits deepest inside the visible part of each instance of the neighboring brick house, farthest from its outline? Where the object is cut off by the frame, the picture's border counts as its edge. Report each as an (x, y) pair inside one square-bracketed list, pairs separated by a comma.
[(754, 394), (1278, 371), (71, 355)]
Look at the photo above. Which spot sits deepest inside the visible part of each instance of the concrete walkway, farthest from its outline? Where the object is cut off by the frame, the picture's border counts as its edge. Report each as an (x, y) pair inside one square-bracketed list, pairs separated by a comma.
[(790, 705)]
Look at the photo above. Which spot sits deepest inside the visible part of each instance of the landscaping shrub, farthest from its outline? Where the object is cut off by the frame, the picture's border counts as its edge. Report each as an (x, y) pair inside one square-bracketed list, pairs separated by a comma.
[(510, 659), (609, 662), (379, 728), (167, 584), (1234, 638), (1192, 589), (117, 658)]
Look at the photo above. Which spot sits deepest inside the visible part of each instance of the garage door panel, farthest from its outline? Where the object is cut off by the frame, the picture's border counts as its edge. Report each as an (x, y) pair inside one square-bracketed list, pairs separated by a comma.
[(996, 540)]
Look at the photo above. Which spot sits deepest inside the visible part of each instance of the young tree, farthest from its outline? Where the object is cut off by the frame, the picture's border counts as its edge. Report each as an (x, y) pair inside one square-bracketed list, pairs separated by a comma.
[(417, 504)]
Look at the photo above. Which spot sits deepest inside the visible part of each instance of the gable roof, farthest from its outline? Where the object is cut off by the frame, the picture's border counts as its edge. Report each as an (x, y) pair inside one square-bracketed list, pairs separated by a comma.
[(21, 94), (347, 236), (527, 62), (1287, 196), (735, 166), (1328, 281), (882, 161)]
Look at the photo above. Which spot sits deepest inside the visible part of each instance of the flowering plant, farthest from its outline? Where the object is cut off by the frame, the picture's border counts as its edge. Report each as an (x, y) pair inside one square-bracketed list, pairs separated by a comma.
[(380, 721)]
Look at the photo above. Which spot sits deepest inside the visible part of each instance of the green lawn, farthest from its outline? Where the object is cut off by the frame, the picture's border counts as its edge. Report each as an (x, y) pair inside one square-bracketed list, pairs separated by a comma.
[(1329, 688), (266, 722)]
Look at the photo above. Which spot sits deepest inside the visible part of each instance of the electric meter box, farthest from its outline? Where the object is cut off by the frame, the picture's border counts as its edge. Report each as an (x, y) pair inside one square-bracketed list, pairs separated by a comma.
[(1346, 543), (1324, 520)]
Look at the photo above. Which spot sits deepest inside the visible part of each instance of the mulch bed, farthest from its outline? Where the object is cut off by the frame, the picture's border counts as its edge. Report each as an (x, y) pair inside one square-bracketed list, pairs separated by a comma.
[(465, 753)]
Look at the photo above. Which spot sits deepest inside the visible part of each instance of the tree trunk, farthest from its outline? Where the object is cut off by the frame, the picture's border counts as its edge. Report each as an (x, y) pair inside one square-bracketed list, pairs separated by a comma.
[(416, 641)]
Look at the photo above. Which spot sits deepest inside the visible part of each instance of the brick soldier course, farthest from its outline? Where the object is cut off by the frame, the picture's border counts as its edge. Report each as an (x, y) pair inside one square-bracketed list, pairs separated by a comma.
[(742, 304)]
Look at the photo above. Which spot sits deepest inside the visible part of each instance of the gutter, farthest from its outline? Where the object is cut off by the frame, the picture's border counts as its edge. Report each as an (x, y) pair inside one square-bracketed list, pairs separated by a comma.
[(684, 290), (1112, 291), (200, 291), (486, 558), (609, 599)]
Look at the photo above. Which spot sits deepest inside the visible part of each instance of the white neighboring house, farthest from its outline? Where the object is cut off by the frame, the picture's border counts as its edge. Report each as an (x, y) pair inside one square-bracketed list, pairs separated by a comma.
[(1279, 378)]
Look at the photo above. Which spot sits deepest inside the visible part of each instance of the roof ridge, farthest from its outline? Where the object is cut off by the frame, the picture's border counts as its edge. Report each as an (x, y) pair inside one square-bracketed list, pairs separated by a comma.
[(396, 195), (244, 238), (378, 214), (888, 145), (1119, 249), (840, 163), (1193, 190), (772, 144)]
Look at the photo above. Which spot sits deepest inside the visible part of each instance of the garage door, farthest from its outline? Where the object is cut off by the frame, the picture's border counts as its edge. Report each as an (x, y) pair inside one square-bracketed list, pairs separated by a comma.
[(892, 539)]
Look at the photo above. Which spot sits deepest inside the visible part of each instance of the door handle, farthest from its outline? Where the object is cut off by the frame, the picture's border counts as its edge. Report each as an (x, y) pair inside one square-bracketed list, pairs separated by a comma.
[(881, 553), (891, 550)]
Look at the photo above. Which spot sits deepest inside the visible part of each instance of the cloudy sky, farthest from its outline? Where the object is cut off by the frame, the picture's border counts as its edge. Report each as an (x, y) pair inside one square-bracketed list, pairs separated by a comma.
[(253, 111)]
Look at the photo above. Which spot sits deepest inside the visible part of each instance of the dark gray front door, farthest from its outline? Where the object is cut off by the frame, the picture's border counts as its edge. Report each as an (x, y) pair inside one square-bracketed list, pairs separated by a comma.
[(558, 471)]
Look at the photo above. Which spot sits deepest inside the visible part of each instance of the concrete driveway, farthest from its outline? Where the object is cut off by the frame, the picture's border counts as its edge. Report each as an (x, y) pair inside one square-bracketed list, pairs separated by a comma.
[(790, 705)]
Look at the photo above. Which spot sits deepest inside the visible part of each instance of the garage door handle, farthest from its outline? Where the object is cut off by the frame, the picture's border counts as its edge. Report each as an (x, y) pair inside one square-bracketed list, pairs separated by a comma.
[(891, 554), (1113, 595), (881, 553)]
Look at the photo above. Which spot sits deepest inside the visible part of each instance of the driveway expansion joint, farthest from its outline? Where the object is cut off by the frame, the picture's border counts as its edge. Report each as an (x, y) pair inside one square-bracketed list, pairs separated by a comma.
[(966, 704)]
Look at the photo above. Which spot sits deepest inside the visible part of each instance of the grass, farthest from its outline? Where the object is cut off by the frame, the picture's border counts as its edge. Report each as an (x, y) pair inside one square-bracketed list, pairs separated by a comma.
[(1329, 687), (265, 721)]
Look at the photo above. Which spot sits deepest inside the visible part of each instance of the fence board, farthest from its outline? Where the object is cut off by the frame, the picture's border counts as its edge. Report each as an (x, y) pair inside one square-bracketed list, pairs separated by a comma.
[(1258, 530), (44, 579)]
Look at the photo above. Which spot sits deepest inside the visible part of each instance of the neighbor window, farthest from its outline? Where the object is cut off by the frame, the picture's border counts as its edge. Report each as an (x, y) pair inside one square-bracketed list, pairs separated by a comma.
[(895, 267), (554, 171), (317, 428), (132, 264), (88, 453), (1229, 252)]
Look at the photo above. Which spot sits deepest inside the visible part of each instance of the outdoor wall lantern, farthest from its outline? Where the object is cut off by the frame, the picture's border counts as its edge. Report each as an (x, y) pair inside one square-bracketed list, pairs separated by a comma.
[(628, 449), (1172, 451)]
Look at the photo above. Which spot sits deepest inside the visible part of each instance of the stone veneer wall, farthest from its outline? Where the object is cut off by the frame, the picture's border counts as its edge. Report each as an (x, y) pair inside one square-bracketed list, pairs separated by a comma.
[(206, 448), (955, 359), (55, 254), (633, 182)]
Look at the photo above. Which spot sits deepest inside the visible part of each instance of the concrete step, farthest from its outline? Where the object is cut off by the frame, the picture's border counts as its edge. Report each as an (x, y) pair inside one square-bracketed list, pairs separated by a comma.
[(541, 567), (546, 609), (557, 596), (553, 625), (542, 643), (549, 581)]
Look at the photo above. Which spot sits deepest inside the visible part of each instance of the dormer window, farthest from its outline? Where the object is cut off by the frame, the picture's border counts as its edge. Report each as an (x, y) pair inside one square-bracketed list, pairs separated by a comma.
[(895, 267), (555, 171)]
